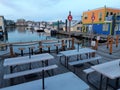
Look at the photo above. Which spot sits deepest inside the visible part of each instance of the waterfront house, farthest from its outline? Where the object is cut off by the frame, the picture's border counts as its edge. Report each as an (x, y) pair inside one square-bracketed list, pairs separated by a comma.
[(103, 20), (21, 22), (75, 26)]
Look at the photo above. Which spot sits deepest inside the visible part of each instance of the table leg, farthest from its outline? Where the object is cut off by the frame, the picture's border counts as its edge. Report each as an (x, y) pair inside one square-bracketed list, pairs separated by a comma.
[(11, 80), (100, 86), (21, 52), (43, 81), (107, 80), (57, 49), (117, 83), (77, 57), (67, 62)]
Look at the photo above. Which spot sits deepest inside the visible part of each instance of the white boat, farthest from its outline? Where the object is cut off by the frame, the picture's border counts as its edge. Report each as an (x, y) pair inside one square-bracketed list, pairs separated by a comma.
[(38, 29), (29, 27), (47, 30), (50, 31)]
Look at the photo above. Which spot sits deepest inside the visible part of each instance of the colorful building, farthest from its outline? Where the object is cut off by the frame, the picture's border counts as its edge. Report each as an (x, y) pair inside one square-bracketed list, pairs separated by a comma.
[(102, 21)]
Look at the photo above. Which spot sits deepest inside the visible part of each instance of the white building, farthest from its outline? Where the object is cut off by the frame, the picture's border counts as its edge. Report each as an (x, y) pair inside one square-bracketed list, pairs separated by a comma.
[(75, 26), (2, 24)]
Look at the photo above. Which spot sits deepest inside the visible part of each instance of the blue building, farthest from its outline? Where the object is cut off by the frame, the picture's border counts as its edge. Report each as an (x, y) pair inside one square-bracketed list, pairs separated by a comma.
[(102, 21)]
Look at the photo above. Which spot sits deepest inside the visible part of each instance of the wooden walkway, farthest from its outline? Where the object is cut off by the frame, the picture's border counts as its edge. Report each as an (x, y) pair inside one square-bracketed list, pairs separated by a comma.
[(102, 51)]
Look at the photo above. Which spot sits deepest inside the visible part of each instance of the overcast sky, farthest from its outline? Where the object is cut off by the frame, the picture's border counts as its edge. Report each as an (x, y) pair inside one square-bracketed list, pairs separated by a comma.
[(50, 10)]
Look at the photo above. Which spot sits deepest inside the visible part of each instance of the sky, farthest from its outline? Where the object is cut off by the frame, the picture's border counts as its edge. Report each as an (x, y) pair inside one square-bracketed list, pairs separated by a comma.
[(50, 10)]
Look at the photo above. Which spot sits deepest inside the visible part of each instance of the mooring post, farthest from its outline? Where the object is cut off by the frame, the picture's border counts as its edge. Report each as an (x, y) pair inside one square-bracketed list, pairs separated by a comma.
[(110, 42), (117, 40), (40, 47), (11, 50), (63, 45), (73, 43), (108, 38), (96, 46)]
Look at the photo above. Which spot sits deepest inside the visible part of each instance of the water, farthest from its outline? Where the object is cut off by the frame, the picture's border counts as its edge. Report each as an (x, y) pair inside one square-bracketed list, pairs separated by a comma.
[(20, 34)]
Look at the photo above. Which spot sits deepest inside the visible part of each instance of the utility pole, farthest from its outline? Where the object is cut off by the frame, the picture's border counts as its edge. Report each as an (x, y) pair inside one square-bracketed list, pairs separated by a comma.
[(70, 19), (92, 18)]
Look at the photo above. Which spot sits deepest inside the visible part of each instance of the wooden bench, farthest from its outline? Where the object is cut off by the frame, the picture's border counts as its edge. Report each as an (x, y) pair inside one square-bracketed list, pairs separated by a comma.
[(85, 61), (27, 72)]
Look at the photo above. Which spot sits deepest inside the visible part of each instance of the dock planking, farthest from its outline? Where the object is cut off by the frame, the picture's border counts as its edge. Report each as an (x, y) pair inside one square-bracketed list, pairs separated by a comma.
[(60, 69)]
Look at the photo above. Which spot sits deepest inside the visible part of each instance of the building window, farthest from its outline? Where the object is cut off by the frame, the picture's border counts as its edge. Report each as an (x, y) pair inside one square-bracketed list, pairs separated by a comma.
[(105, 27), (119, 27), (107, 14), (85, 16), (116, 27), (100, 16), (111, 13), (78, 28)]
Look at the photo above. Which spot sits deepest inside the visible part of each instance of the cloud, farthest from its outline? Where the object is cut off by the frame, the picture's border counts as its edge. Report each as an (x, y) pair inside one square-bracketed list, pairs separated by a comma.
[(9, 4)]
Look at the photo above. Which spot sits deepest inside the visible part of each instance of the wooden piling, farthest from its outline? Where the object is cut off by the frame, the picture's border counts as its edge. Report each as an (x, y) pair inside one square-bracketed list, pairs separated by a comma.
[(108, 38), (110, 45), (73, 43), (96, 46), (117, 40), (63, 48), (11, 50)]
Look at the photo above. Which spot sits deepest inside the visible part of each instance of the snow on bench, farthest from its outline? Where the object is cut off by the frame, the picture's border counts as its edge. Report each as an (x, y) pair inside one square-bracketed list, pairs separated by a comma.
[(88, 71), (27, 72), (85, 61)]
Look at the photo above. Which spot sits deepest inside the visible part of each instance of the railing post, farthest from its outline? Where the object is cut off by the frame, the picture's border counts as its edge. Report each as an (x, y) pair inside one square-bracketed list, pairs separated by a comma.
[(111, 42), (63, 45), (117, 40), (40, 47), (108, 41), (96, 46), (11, 50), (73, 43)]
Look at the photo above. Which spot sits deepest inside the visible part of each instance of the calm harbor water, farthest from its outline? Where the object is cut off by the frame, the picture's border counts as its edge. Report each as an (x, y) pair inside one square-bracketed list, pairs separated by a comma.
[(20, 34)]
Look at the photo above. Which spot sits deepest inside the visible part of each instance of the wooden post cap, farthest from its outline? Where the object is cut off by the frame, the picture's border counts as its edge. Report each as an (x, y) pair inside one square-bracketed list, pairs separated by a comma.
[(21, 48)]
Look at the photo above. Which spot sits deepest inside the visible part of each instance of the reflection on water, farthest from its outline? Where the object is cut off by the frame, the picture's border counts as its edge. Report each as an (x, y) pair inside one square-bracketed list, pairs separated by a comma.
[(21, 29)]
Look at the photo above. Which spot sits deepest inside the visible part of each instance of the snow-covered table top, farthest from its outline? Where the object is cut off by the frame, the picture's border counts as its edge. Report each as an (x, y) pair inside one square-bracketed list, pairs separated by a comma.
[(109, 69), (66, 81), (26, 59), (77, 52)]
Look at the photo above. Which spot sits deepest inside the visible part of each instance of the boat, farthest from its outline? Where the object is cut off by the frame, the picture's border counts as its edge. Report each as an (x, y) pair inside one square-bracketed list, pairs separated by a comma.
[(38, 29), (47, 30), (29, 27), (102, 40), (50, 31)]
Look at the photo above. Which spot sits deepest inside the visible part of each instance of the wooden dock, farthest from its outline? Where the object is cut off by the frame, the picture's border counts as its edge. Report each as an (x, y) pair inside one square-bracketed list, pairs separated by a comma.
[(102, 51)]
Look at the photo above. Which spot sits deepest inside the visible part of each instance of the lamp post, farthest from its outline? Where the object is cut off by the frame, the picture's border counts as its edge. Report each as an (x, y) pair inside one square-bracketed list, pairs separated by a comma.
[(70, 19), (92, 18)]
